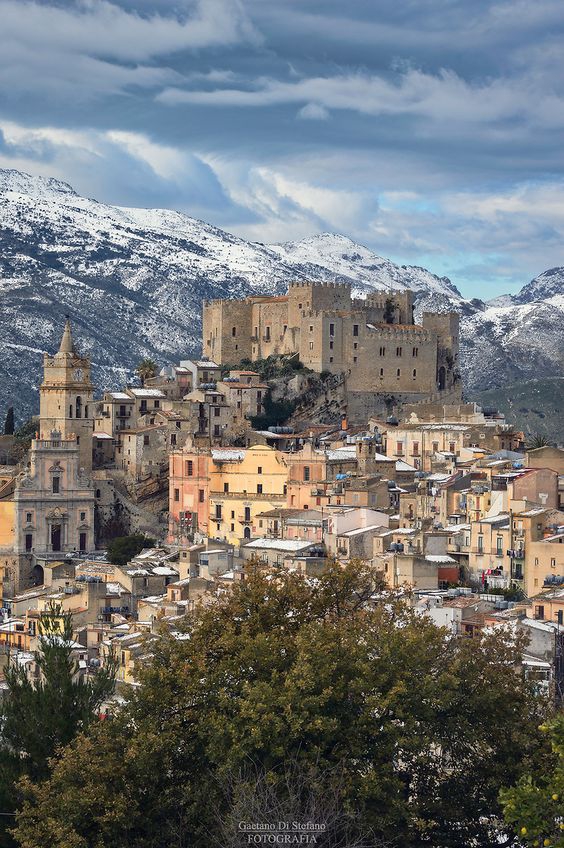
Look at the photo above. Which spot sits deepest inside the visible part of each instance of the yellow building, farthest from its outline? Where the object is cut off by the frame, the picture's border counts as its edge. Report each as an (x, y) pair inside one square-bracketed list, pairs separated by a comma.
[(242, 484)]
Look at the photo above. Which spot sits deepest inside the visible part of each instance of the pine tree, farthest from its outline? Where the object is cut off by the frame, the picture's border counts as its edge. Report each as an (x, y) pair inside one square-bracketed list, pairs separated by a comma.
[(41, 714), (9, 423)]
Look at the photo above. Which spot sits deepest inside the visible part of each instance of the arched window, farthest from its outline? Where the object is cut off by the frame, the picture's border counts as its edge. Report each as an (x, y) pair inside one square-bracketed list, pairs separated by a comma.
[(78, 407)]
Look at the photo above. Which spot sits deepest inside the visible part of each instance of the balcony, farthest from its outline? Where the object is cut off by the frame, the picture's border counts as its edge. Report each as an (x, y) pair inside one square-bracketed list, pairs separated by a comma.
[(242, 519)]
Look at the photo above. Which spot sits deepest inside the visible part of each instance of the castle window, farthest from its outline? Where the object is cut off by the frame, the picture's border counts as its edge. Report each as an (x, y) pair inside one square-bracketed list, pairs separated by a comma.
[(381, 372), (382, 351), (86, 411), (355, 329), (355, 346), (330, 345), (267, 334), (98, 493), (311, 328), (299, 305), (355, 358), (70, 411), (416, 351), (398, 372), (56, 485), (398, 351), (232, 513), (78, 407), (331, 329), (189, 467), (311, 345), (284, 328), (233, 331), (414, 373), (330, 359)]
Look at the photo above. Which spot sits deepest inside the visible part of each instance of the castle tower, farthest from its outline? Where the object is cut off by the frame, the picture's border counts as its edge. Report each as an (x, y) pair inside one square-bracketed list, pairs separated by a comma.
[(66, 397)]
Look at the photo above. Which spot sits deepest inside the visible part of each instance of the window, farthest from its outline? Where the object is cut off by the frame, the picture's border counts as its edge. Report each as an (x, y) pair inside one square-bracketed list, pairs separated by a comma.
[(381, 372), (226, 487), (415, 448), (330, 345), (415, 351), (318, 501), (157, 404), (28, 541), (435, 447), (480, 544), (355, 346), (299, 305), (217, 430), (306, 473), (98, 493), (414, 373), (382, 351), (82, 541), (539, 612), (218, 512), (177, 494), (83, 516), (56, 485), (28, 517), (311, 345), (355, 329), (311, 328), (189, 466), (399, 351), (399, 448), (331, 329), (232, 513), (330, 359), (259, 469), (232, 528), (553, 563), (355, 359), (559, 617), (398, 372), (259, 488), (233, 331), (146, 439), (267, 334), (499, 546), (173, 438), (70, 411), (201, 495)]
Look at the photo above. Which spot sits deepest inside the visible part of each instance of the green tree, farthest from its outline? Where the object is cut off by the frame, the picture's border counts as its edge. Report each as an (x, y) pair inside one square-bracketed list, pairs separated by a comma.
[(123, 548), (40, 714), (534, 806), (24, 435), (9, 423), (146, 368), (337, 677)]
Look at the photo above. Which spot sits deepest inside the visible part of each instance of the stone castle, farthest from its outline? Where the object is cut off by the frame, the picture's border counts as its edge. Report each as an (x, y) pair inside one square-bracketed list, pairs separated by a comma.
[(374, 342)]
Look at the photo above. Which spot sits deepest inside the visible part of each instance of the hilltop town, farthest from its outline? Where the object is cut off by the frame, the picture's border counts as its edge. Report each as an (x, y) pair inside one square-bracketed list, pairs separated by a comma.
[(378, 459)]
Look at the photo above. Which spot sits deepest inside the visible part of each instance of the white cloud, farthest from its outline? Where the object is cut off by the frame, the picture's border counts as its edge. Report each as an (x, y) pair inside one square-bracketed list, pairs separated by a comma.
[(313, 112)]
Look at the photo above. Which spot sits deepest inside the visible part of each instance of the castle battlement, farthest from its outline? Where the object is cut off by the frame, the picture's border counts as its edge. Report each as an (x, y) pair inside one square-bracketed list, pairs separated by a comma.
[(374, 341)]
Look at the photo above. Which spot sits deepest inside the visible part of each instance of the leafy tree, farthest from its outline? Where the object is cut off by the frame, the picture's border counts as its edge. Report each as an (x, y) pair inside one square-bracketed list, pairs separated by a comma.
[(146, 368), (276, 412), (122, 549), (9, 423), (39, 715), (414, 729), (24, 435), (534, 806)]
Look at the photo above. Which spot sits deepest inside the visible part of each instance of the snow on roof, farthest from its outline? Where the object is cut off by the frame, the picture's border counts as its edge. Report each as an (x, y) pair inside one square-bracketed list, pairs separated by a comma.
[(500, 518), (226, 455), (437, 477), (270, 435), (102, 436), (400, 531), (205, 363), (147, 393), (164, 570), (120, 396), (532, 512), (361, 530), (457, 528), (404, 466), (290, 545), (345, 453), (440, 558)]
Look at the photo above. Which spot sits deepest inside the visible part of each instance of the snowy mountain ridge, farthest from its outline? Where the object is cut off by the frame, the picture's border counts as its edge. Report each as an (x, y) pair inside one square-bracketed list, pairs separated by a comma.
[(133, 281)]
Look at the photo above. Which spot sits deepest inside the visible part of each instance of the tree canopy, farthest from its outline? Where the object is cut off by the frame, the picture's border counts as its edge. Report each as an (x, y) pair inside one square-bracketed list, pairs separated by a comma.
[(409, 731), (123, 548)]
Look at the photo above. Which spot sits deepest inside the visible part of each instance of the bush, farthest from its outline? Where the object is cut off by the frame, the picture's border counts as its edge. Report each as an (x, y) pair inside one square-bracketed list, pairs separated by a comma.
[(124, 548)]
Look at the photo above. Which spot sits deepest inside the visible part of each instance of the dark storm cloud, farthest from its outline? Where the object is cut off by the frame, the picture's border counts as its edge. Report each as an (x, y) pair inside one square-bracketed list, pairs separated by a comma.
[(431, 131)]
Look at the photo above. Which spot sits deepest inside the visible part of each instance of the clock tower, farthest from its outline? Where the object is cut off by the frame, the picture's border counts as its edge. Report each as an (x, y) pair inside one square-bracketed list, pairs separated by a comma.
[(66, 398)]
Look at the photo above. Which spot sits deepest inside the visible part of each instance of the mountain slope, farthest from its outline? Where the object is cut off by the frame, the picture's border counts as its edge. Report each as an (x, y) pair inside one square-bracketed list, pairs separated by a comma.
[(133, 281)]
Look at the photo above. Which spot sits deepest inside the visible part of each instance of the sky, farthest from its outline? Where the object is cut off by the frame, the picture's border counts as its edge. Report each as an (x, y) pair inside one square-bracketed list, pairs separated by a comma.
[(428, 130)]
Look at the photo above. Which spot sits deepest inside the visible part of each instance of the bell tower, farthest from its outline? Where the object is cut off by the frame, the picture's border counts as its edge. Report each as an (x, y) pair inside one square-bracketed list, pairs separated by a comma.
[(66, 397)]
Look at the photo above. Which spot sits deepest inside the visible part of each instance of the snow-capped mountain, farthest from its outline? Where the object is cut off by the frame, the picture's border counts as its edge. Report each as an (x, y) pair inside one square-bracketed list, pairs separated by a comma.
[(133, 280)]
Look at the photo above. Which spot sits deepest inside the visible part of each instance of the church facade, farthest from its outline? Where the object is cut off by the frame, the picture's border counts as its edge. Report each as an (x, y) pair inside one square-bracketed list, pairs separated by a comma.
[(53, 500)]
